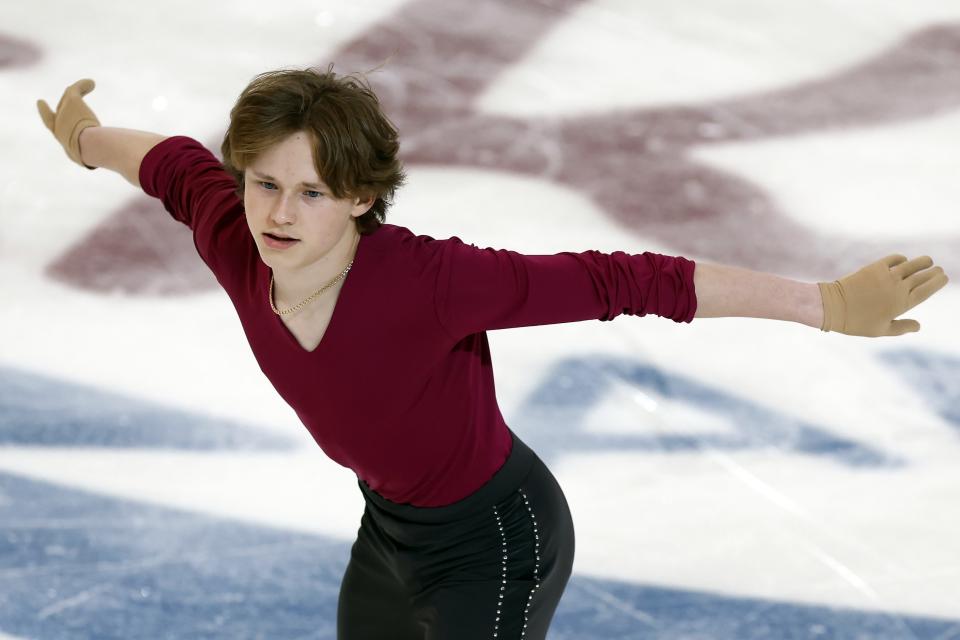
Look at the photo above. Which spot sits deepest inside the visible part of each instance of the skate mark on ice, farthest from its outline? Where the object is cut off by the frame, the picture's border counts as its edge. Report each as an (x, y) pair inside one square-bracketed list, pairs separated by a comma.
[(156, 572)]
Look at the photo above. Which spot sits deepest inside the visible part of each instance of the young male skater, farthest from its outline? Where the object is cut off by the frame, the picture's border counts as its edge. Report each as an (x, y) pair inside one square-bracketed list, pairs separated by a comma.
[(376, 336)]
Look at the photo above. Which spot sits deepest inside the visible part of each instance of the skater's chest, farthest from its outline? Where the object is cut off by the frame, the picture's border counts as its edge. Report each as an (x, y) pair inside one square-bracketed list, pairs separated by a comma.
[(309, 329)]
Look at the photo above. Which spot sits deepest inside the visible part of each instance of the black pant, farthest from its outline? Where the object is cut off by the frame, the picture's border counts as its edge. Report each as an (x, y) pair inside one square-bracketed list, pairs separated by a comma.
[(492, 565)]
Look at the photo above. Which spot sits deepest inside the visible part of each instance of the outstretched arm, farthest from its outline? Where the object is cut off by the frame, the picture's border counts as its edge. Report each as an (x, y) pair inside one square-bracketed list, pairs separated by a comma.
[(726, 291), (487, 289), (120, 150), (865, 303), (78, 130)]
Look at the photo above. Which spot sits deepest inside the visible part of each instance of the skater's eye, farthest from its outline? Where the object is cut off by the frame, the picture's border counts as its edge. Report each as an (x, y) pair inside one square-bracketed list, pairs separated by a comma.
[(313, 197)]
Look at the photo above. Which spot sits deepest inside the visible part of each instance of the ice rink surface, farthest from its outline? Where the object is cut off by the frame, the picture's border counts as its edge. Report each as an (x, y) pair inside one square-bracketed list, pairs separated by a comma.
[(730, 479)]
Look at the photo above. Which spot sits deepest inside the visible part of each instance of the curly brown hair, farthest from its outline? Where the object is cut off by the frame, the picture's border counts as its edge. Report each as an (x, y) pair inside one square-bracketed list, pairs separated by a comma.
[(355, 144)]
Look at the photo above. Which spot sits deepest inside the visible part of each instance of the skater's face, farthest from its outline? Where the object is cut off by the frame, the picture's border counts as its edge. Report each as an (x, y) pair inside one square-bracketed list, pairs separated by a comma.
[(283, 195)]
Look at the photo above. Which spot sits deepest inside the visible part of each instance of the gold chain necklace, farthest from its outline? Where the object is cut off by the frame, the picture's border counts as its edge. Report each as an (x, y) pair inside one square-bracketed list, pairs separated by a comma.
[(315, 294)]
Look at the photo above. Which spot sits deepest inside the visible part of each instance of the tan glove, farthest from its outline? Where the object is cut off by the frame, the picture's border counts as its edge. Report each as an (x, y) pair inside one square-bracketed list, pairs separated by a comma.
[(72, 116), (866, 302)]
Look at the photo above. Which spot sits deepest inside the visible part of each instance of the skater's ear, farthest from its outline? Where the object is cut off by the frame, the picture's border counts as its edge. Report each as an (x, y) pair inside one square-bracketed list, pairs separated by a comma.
[(363, 203)]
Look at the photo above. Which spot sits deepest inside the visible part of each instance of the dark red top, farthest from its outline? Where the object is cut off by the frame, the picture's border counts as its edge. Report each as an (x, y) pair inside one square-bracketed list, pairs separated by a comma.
[(400, 389)]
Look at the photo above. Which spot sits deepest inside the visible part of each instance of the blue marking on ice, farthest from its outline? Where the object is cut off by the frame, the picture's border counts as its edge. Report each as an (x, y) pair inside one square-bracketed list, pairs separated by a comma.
[(42, 411), (74, 565), (609, 609), (552, 417), (77, 565), (934, 376)]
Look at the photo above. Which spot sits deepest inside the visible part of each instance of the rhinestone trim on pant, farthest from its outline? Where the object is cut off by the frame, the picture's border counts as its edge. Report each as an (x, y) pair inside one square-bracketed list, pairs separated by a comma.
[(536, 567), (503, 572), (503, 566)]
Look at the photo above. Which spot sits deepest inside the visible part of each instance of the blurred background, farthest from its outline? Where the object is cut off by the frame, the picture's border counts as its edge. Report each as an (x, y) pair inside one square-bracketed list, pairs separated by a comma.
[(730, 478)]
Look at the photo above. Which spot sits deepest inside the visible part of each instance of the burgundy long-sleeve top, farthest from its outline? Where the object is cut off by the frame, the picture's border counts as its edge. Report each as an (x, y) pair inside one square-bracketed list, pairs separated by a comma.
[(401, 389)]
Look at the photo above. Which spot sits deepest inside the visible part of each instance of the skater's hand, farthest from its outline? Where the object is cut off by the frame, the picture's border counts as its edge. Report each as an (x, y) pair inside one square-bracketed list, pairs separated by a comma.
[(72, 116), (866, 302)]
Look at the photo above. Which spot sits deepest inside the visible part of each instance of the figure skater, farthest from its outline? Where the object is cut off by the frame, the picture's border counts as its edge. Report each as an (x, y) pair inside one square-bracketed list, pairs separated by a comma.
[(376, 336)]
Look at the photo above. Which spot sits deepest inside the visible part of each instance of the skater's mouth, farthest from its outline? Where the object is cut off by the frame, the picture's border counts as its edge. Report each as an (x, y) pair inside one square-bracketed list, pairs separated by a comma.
[(278, 242)]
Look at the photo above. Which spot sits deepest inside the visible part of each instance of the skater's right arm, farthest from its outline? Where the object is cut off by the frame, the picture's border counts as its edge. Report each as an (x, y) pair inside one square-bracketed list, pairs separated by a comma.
[(120, 150), (90, 145), (185, 176)]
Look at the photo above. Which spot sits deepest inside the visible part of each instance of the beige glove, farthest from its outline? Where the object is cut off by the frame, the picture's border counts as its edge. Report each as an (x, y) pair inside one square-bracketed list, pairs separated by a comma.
[(866, 302), (72, 116)]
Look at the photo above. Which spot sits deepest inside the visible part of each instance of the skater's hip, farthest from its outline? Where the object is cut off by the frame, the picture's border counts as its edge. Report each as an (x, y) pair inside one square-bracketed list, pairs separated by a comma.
[(503, 483)]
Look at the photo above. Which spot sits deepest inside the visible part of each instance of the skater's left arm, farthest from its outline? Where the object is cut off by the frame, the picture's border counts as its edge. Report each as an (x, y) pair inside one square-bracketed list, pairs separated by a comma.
[(727, 291), (865, 303), (484, 289)]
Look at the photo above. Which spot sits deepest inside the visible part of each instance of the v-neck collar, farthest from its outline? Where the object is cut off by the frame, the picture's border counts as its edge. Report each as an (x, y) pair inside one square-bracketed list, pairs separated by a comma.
[(337, 311)]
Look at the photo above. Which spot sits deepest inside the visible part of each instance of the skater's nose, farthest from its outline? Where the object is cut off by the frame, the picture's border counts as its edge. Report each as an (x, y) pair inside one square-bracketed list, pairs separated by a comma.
[(284, 211)]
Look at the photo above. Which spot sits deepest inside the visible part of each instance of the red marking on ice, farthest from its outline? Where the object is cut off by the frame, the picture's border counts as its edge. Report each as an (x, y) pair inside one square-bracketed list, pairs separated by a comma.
[(139, 249), (15, 52), (633, 163)]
